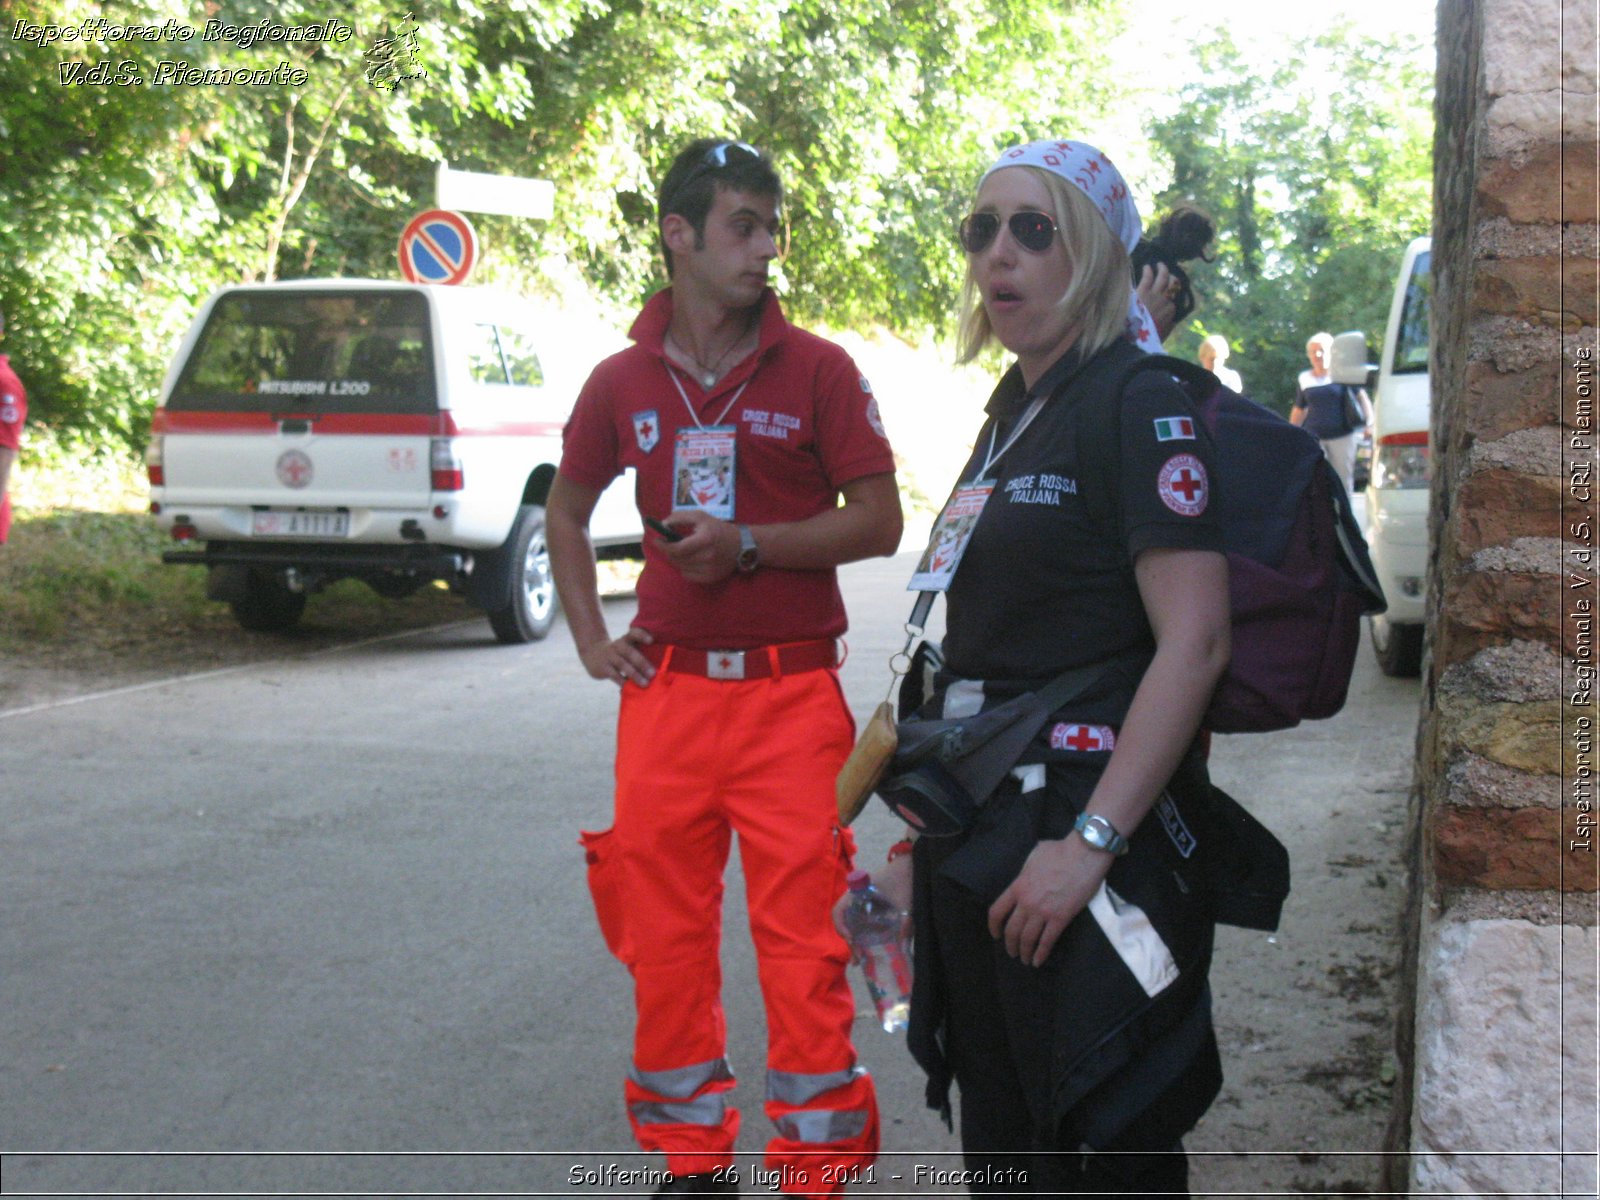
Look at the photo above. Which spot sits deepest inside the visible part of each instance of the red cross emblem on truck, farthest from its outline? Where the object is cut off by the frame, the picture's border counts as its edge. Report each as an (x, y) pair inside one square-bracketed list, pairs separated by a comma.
[(294, 469)]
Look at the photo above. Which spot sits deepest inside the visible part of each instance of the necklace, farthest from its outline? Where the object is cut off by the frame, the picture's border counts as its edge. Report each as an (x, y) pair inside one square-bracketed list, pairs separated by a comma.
[(708, 375)]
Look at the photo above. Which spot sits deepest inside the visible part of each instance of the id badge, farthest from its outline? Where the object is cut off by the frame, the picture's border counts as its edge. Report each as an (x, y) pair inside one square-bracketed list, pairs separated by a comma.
[(703, 470), (951, 533)]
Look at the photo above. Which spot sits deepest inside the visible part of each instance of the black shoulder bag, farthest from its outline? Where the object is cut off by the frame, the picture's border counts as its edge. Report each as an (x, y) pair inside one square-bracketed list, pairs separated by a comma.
[(944, 768)]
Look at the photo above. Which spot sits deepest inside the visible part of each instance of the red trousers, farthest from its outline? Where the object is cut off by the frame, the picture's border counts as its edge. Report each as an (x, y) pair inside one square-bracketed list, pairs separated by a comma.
[(699, 760)]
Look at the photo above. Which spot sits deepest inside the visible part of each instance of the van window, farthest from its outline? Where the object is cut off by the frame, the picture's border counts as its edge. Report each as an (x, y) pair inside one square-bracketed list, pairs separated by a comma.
[(483, 356), (521, 359), (1411, 339), (314, 351), (501, 355)]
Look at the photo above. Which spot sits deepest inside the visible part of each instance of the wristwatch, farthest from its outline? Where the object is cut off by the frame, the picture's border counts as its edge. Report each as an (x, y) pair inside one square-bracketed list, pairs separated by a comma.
[(1100, 833), (749, 556)]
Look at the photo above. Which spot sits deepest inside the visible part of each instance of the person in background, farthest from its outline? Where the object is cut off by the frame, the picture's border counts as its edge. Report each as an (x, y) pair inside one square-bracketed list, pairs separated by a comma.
[(1213, 356), (1316, 375), (1332, 412), (1062, 941), (13, 413), (732, 720)]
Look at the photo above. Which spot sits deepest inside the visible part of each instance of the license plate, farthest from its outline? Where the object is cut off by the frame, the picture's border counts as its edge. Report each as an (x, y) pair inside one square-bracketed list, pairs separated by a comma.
[(283, 523)]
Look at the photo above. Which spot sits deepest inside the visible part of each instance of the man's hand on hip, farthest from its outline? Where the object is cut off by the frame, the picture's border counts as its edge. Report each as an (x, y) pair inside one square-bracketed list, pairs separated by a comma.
[(619, 660)]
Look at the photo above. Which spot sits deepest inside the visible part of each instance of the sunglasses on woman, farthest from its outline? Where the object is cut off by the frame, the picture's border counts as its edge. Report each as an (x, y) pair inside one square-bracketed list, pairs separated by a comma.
[(1030, 230)]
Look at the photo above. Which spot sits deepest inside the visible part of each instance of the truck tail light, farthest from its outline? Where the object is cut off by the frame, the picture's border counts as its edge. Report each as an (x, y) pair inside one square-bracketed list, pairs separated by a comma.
[(183, 531), (1402, 461), (444, 467), (154, 467)]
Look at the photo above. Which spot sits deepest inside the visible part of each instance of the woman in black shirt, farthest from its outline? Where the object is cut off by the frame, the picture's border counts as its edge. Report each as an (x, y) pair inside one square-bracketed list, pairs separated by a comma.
[(1062, 942)]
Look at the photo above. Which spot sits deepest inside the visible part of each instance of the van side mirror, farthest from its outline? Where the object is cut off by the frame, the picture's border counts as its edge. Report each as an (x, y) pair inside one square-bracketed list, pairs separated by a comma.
[(1347, 360)]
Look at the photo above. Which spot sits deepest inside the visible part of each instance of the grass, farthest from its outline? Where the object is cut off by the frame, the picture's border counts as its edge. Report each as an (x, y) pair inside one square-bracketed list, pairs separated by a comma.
[(88, 589), (82, 584), (66, 570)]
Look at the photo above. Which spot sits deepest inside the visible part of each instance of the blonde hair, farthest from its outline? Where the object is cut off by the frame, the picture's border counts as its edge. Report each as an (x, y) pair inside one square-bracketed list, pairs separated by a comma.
[(1096, 299), (1325, 340), (1217, 344)]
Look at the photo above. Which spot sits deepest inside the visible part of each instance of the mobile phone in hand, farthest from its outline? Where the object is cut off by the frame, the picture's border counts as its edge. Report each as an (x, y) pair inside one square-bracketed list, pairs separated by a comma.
[(665, 530)]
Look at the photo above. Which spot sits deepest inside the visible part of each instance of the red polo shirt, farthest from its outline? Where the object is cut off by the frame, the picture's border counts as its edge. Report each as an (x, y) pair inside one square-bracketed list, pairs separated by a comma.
[(13, 412), (805, 425)]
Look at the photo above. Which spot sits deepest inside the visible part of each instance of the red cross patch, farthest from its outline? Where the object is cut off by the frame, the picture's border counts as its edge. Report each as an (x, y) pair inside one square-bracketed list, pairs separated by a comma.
[(1183, 486), (646, 430), (1082, 738)]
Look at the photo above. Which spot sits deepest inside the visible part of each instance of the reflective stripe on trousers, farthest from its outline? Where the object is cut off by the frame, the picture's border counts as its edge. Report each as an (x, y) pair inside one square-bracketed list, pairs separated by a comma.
[(684, 1105), (788, 1092)]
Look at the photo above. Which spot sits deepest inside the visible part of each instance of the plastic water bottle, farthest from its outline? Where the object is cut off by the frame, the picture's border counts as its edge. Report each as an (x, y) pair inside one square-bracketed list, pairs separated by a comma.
[(873, 925)]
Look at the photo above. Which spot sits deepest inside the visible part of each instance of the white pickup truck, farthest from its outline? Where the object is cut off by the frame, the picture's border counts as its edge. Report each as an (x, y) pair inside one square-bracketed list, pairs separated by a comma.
[(395, 433)]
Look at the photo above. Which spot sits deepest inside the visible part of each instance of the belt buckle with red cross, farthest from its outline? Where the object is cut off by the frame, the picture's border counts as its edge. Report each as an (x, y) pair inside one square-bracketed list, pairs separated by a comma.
[(724, 664)]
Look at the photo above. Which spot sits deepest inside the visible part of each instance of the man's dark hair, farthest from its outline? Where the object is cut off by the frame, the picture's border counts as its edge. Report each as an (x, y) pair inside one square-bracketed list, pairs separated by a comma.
[(705, 165), (1183, 234)]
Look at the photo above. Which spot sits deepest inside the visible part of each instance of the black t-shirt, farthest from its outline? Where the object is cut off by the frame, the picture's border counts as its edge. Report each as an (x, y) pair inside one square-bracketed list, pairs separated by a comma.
[(1328, 410), (1047, 580)]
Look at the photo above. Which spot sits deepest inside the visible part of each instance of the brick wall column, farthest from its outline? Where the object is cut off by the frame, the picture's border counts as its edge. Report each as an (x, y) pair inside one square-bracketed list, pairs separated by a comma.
[(1502, 1057)]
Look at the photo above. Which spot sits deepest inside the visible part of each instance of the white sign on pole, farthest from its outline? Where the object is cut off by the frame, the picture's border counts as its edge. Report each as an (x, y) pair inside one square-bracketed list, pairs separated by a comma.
[(508, 195)]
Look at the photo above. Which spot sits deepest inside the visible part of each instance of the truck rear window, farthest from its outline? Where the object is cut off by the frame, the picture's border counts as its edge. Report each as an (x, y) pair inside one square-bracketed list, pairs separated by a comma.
[(314, 351)]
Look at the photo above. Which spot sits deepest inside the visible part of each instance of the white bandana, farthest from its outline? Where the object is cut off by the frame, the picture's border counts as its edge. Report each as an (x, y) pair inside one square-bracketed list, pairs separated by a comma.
[(1091, 172)]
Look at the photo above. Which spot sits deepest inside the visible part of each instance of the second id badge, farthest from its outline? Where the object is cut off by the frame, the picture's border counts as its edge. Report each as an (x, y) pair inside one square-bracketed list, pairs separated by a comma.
[(703, 470), (948, 541)]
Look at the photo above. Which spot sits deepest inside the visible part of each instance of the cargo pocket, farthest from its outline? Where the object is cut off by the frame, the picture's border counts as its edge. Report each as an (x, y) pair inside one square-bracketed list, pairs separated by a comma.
[(606, 889)]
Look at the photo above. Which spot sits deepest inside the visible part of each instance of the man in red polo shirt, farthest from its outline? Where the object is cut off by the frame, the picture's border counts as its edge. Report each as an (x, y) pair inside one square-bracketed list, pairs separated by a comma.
[(744, 432), (13, 412)]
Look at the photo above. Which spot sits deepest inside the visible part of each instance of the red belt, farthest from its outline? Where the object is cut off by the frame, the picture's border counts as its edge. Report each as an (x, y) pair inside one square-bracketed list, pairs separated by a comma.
[(759, 662)]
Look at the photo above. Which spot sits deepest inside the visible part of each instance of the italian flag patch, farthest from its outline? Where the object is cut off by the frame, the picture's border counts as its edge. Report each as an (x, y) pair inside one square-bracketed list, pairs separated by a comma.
[(1174, 429)]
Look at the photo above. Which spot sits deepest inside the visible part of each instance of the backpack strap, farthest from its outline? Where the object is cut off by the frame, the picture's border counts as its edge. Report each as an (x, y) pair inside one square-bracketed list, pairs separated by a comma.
[(1192, 375)]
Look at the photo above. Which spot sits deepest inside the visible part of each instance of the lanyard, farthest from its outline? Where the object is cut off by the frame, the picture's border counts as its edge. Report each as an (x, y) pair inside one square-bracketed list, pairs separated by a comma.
[(689, 408), (994, 457)]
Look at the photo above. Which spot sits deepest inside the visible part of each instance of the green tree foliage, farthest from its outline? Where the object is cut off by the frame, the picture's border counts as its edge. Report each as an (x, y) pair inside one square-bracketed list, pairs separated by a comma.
[(1317, 172), (127, 204)]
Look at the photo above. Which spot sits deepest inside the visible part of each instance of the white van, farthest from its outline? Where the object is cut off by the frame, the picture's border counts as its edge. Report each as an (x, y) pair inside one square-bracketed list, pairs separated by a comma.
[(1397, 496), (395, 433)]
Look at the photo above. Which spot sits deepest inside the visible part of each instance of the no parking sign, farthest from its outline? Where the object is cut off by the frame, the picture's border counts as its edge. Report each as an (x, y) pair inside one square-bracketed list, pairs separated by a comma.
[(438, 246)]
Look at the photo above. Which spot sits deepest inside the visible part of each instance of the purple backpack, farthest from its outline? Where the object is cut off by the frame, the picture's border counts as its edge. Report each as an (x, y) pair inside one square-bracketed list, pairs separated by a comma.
[(1299, 578)]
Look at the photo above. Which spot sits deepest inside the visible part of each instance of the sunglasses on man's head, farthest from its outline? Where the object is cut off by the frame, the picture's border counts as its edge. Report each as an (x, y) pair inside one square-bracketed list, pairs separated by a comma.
[(1031, 230), (719, 156)]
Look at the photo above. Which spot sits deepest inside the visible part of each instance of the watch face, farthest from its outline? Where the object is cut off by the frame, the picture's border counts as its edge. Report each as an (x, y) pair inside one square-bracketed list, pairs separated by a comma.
[(1100, 834)]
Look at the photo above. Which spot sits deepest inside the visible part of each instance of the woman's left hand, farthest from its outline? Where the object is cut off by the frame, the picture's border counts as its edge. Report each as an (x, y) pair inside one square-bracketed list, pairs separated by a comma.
[(1054, 885)]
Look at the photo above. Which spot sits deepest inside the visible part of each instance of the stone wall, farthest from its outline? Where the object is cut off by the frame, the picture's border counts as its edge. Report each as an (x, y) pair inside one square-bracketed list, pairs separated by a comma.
[(1502, 1054)]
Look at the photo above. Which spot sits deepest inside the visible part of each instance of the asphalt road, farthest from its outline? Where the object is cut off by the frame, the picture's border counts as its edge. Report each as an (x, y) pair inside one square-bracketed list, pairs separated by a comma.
[(320, 926)]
